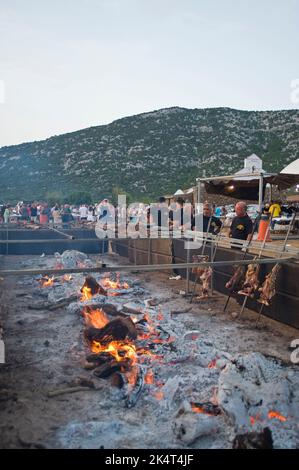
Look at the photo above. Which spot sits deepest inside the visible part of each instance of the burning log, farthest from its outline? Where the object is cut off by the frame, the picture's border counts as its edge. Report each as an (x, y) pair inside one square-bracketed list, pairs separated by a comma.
[(117, 329), (108, 368), (99, 358), (254, 440), (135, 393), (206, 408), (91, 287)]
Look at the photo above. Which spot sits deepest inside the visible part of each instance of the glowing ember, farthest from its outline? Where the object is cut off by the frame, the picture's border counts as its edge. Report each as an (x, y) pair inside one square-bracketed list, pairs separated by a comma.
[(149, 377), (254, 419), (86, 294), (199, 409), (160, 316), (47, 281), (212, 364), (132, 376), (275, 414), (96, 318), (67, 278), (159, 395)]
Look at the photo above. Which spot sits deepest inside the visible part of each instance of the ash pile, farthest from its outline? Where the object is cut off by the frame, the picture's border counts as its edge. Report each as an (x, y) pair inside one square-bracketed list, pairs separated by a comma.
[(168, 387)]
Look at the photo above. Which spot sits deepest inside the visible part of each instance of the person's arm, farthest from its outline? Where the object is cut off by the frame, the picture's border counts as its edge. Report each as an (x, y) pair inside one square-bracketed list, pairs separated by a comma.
[(249, 230)]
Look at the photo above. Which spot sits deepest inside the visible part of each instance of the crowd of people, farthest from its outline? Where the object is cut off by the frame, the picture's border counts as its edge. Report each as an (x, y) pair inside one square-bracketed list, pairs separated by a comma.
[(174, 215)]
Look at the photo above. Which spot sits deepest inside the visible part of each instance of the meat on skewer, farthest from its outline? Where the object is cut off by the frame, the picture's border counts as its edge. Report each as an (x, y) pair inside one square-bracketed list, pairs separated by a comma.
[(251, 283), (268, 288), (235, 281), (206, 279)]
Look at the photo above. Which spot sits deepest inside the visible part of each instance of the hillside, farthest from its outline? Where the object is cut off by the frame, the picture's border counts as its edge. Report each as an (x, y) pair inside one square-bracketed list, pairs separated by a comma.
[(149, 154)]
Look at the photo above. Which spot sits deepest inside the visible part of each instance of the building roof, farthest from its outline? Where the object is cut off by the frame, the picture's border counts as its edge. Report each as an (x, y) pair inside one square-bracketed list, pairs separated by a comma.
[(292, 168)]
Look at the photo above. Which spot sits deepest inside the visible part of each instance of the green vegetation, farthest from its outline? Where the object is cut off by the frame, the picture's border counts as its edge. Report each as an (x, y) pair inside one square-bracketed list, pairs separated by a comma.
[(147, 155)]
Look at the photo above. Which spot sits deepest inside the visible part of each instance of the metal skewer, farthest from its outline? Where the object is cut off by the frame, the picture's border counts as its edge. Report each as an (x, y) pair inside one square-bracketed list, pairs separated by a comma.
[(282, 251), (245, 253)]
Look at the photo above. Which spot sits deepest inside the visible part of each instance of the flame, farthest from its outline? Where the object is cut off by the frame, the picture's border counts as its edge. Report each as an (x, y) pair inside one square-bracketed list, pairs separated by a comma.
[(109, 284), (96, 318), (67, 278), (47, 281), (149, 377), (212, 364), (86, 294), (275, 414), (120, 350), (198, 409)]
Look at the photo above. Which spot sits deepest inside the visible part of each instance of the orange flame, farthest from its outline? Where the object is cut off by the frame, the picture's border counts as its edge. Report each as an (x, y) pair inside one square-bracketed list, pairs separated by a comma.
[(212, 364), (120, 350), (86, 294), (109, 284), (198, 409), (149, 377), (67, 278), (47, 281), (96, 318), (275, 414)]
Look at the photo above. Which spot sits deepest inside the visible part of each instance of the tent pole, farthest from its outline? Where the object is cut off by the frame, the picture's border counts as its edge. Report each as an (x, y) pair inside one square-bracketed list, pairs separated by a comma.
[(260, 192)]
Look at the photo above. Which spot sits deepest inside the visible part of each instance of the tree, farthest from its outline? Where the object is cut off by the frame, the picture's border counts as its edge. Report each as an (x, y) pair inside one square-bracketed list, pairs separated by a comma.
[(79, 197)]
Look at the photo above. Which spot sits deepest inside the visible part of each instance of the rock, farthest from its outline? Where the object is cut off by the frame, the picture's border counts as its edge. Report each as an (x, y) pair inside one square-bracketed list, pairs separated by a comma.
[(191, 335), (191, 426), (73, 258)]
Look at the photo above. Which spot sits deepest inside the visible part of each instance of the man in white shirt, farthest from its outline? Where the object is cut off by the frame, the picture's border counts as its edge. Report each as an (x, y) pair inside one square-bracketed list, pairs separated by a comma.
[(83, 211)]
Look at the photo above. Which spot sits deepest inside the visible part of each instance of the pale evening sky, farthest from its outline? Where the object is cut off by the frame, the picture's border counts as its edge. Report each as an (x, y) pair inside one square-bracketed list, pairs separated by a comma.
[(66, 65)]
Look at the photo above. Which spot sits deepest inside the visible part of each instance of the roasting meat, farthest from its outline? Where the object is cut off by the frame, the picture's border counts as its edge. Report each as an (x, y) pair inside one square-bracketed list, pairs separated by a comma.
[(235, 281), (199, 259), (251, 282), (206, 280), (268, 288)]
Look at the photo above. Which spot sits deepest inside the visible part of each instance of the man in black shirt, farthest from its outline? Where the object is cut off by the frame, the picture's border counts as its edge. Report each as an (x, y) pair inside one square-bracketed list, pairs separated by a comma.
[(210, 223), (241, 226)]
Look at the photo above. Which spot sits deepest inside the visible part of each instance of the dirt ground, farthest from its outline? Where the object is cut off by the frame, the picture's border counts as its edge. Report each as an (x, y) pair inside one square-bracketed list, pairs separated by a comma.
[(44, 351)]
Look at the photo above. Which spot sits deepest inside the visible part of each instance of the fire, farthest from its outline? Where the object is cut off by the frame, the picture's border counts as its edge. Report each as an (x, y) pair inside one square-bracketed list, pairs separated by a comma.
[(149, 377), (96, 318), (47, 281), (275, 414), (67, 278), (120, 350), (109, 284), (197, 409), (212, 364), (86, 294)]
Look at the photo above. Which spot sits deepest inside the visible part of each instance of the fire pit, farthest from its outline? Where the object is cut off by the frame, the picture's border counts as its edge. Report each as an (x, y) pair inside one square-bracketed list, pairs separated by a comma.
[(123, 371)]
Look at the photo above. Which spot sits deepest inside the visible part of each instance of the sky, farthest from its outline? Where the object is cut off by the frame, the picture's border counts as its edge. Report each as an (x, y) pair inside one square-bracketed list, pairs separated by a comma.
[(71, 64)]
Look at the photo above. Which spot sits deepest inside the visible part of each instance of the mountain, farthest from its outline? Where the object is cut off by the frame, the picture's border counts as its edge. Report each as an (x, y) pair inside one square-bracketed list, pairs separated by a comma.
[(148, 154)]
